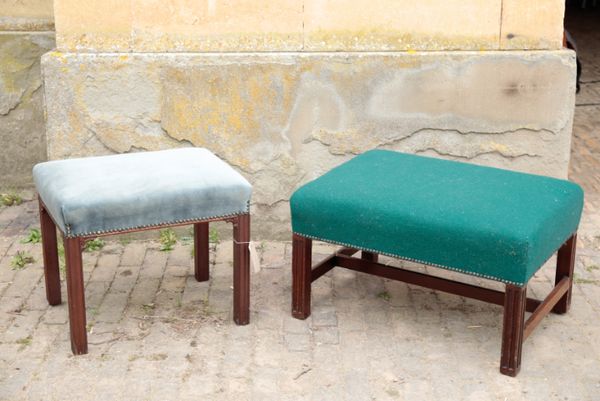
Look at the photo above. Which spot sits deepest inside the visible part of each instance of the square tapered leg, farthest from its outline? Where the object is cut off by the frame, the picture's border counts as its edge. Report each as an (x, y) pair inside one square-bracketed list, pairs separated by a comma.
[(201, 252), (301, 276), (76, 296), (241, 269), (515, 300), (50, 251), (565, 265)]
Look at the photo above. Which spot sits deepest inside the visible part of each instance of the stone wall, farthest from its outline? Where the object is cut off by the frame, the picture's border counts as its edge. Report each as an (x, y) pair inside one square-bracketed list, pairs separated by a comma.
[(307, 25), (286, 89), (26, 32), (26, 15)]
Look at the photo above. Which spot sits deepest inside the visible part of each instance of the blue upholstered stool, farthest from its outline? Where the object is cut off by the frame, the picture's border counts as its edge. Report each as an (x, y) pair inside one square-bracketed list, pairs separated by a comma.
[(91, 197)]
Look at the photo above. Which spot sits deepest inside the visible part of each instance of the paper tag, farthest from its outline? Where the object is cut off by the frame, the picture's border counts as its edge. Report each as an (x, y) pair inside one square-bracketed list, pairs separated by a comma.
[(254, 259)]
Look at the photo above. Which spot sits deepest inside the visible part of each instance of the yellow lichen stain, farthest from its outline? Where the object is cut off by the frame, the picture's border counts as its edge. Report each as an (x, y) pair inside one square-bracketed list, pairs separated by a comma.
[(364, 69), (93, 41), (124, 57), (348, 141), (203, 41), (288, 81), (499, 147), (529, 43), (120, 137), (386, 40), (62, 144), (58, 55), (231, 108)]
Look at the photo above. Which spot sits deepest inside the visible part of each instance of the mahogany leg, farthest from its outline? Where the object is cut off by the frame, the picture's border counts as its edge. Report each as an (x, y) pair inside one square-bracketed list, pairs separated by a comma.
[(241, 270), (301, 276), (76, 297), (512, 329), (201, 253), (50, 252), (565, 265), (370, 256)]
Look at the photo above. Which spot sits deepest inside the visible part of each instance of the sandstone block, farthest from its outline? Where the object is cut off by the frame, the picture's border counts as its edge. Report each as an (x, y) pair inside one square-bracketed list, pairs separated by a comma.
[(536, 24), (211, 25), (308, 25), (103, 25), (26, 15), (402, 24)]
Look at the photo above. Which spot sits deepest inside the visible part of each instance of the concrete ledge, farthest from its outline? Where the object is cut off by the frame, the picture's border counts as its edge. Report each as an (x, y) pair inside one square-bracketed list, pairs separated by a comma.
[(26, 15), (26, 24), (285, 118)]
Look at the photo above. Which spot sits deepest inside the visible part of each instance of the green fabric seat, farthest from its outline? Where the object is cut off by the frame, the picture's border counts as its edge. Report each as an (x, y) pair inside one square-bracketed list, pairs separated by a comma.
[(483, 221)]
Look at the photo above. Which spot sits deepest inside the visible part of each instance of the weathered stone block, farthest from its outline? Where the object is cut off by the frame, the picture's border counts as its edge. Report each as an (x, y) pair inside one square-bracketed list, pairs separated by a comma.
[(402, 24), (536, 24), (21, 112), (179, 25), (103, 25), (285, 118), (26, 15), (308, 25), (211, 25)]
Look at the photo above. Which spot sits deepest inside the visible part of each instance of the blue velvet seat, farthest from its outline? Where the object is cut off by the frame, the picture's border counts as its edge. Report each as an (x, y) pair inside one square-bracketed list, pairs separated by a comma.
[(96, 195)]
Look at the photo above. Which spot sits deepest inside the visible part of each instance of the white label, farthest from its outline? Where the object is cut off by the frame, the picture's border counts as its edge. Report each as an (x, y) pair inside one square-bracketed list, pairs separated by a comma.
[(254, 258)]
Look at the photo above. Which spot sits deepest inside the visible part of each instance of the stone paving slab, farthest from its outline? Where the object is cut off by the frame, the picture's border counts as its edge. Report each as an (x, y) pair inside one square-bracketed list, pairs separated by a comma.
[(155, 333)]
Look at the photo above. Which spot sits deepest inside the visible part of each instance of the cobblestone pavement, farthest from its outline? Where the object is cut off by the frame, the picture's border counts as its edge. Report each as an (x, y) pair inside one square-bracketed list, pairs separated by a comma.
[(156, 334)]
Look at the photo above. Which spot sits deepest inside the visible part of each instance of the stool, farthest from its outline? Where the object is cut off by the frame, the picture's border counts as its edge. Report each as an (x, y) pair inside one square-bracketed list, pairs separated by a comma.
[(98, 196), (487, 222)]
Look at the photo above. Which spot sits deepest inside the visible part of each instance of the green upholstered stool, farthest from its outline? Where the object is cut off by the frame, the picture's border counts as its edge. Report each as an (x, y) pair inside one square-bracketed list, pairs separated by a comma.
[(487, 222)]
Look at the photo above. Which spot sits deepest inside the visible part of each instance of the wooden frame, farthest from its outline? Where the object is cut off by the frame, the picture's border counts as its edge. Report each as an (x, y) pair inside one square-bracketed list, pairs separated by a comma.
[(74, 268), (515, 328)]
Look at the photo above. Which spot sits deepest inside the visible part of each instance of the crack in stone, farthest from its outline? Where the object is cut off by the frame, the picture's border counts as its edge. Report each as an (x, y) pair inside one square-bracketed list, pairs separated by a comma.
[(165, 132), (270, 204), (13, 108), (36, 89), (476, 155), (134, 148), (22, 99), (189, 143), (464, 133), (93, 135), (443, 130)]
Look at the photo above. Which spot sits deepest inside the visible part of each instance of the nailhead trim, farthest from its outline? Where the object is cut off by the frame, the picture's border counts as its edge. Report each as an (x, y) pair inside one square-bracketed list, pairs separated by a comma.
[(412, 260), (117, 231)]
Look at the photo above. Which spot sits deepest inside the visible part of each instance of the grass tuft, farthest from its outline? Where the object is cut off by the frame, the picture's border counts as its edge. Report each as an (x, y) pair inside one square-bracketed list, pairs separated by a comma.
[(384, 295), (24, 342), (93, 245), (34, 237), (213, 236), (167, 239), (10, 199), (20, 260)]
